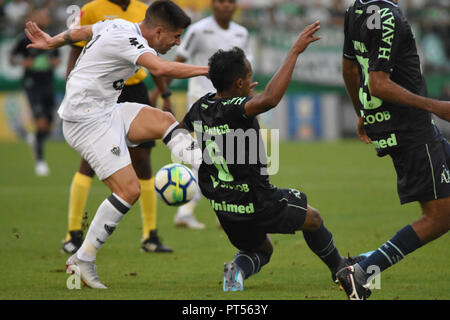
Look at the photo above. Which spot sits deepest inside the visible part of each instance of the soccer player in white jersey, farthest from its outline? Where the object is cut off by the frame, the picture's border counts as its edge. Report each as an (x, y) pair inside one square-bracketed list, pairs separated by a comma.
[(100, 129), (201, 41)]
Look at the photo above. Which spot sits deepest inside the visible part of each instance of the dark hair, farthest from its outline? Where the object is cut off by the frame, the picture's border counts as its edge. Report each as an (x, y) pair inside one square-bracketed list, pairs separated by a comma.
[(225, 67), (166, 12)]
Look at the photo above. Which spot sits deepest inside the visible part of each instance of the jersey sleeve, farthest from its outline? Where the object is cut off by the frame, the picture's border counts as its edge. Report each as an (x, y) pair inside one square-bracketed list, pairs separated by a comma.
[(99, 26), (383, 42), (349, 52), (131, 46), (188, 45)]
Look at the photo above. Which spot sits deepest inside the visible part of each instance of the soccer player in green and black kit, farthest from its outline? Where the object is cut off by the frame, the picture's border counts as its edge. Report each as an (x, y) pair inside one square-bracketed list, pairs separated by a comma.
[(246, 204), (381, 70)]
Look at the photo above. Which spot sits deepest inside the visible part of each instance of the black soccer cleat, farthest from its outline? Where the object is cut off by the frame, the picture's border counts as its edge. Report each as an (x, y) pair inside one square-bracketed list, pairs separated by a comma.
[(346, 262), (74, 243), (154, 244), (353, 286)]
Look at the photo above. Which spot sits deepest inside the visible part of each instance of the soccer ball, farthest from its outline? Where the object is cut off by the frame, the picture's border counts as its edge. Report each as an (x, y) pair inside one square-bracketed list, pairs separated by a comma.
[(175, 184)]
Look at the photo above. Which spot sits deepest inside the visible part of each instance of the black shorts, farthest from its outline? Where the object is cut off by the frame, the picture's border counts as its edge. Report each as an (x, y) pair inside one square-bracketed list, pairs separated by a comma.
[(42, 101), (248, 234), (137, 93), (422, 173)]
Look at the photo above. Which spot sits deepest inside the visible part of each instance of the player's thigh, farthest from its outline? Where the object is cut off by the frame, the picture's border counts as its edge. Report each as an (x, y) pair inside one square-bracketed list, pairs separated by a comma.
[(148, 124), (86, 169), (246, 236), (293, 215)]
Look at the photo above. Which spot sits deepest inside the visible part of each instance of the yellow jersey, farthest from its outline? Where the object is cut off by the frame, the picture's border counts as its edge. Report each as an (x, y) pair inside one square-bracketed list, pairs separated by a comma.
[(99, 10)]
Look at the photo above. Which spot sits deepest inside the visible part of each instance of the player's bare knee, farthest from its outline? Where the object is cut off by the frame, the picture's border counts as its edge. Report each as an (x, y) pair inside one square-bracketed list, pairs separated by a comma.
[(440, 225), (130, 192), (167, 119), (266, 248), (313, 219)]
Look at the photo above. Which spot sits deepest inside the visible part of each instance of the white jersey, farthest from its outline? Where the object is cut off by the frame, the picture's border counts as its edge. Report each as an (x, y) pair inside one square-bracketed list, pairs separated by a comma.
[(106, 62), (202, 40)]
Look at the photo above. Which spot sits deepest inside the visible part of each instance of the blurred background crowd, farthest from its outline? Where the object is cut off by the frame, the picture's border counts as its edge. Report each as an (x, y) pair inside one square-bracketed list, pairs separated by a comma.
[(273, 24), (430, 19)]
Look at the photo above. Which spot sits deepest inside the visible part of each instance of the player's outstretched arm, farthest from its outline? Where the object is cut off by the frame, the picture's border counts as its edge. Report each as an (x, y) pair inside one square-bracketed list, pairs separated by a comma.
[(277, 86), (382, 87), (41, 40), (162, 68)]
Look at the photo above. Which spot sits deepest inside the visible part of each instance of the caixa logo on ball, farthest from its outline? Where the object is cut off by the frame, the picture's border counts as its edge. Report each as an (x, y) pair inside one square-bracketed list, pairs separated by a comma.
[(119, 84)]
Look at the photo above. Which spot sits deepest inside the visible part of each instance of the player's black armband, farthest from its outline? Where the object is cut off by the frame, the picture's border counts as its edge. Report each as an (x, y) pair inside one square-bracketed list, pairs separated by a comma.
[(166, 94)]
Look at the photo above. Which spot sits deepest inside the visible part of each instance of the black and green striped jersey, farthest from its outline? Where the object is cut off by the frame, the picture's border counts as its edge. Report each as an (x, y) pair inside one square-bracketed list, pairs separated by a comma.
[(379, 38), (233, 173)]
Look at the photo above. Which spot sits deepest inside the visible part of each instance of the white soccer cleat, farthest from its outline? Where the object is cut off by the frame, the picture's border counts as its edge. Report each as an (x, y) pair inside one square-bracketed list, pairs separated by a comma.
[(87, 271), (233, 279), (188, 221), (41, 169)]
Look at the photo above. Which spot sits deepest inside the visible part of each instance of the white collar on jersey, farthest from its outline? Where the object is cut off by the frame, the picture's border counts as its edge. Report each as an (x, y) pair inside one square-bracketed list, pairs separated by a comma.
[(218, 25), (138, 29), (369, 1)]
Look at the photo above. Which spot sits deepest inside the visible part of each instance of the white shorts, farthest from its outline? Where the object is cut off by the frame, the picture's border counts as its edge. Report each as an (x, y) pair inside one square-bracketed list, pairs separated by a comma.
[(103, 142)]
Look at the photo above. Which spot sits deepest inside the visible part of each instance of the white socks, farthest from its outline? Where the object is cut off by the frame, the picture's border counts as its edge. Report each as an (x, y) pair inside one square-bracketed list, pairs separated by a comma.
[(183, 146), (106, 219)]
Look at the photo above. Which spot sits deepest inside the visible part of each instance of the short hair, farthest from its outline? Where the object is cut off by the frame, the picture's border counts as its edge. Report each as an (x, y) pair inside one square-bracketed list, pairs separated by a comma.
[(166, 12), (225, 67)]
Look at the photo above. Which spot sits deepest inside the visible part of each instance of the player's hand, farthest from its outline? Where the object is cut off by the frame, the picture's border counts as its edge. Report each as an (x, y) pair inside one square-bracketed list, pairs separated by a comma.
[(39, 39), (306, 37), (361, 132), (252, 86)]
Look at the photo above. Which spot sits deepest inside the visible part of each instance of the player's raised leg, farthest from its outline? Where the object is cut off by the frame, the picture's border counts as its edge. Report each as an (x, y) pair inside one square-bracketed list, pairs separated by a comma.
[(151, 124)]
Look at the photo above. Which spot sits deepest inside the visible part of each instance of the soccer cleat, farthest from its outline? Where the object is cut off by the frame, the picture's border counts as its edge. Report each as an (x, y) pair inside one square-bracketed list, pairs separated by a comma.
[(74, 243), (346, 262), (353, 286), (188, 221), (233, 279), (41, 168), (87, 271), (153, 244)]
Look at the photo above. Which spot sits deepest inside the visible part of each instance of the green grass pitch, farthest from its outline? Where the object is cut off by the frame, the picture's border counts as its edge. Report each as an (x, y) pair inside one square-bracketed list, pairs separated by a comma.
[(354, 190)]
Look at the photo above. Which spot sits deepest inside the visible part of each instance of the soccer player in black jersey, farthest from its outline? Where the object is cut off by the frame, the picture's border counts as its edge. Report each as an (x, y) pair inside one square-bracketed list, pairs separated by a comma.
[(246, 204), (381, 70)]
